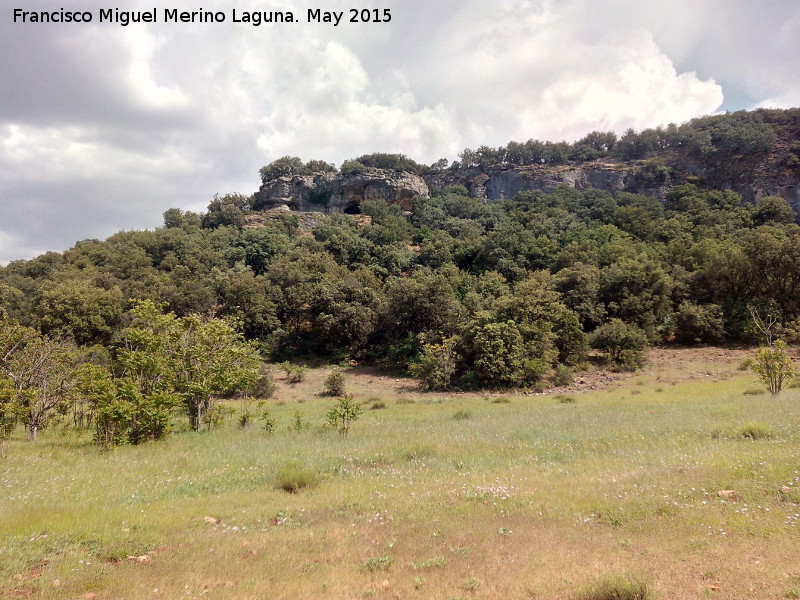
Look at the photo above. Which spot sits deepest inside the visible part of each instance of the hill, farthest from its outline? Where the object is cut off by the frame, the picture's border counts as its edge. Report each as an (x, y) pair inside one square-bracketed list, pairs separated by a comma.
[(443, 275), (755, 154)]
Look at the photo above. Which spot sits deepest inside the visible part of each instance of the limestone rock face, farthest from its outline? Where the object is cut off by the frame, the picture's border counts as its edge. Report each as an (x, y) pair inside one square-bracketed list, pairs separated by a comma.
[(502, 182), (338, 193), (783, 189), (497, 183), (304, 193), (395, 187), (331, 193)]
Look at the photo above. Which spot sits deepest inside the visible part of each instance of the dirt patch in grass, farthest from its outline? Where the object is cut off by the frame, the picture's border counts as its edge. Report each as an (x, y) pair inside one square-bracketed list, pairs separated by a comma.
[(666, 366)]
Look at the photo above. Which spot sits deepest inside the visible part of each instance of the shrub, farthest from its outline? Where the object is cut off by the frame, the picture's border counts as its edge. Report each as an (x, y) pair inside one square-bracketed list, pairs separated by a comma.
[(616, 588), (294, 373), (436, 365), (755, 431), (298, 424), (268, 422), (352, 167), (773, 366), (752, 392), (320, 195), (293, 477), (214, 417), (432, 563), (346, 411), (562, 375), (418, 451), (699, 323), (334, 384), (380, 563), (472, 584), (246, 416), (624, 345), (265, 386), (749, 431)]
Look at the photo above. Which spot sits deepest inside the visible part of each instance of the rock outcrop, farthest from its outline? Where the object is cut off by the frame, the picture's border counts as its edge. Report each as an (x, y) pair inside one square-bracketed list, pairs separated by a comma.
[(495, 183), (505, 181), (332, 193), (338, 193)]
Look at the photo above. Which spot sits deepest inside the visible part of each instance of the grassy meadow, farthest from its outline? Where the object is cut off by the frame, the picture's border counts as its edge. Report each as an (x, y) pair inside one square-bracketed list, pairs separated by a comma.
[(682, 477)]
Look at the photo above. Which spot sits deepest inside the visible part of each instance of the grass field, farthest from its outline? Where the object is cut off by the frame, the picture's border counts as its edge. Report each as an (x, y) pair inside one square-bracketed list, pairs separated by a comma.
[(680, 477)]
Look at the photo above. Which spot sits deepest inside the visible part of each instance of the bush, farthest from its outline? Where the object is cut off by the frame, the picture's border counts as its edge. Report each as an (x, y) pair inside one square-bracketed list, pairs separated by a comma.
[(346, 411), (472, 584), (436, 365), (437, 562), (774, 366), (265, 386), (749, 431), (298, 424), (699, 323), (755, 431), (294, 373), (293, 477), (752, 392), (334, 384), (624, 345), (268, 422), (352, 167), (418, 451), (562, 375), (616, 588), (381, 563), (320, 195)]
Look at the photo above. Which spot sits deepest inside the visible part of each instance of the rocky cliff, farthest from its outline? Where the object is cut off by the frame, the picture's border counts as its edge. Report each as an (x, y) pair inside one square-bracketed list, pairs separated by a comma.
[(331, 193), (504, 181)]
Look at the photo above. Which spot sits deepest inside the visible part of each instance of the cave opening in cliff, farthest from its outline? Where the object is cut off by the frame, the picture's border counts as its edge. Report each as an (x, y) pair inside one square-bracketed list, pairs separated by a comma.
[(354, 208)]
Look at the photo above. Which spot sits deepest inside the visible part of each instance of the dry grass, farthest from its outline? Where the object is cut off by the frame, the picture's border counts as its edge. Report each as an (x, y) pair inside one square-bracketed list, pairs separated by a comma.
[(532, 499)]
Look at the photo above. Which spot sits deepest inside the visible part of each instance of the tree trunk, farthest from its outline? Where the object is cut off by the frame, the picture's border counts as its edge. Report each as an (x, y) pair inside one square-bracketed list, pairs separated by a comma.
[(33, 430), (194, 414)]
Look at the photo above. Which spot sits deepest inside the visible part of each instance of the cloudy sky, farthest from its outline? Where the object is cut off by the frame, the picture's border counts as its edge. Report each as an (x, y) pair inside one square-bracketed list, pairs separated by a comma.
[(103, 127)]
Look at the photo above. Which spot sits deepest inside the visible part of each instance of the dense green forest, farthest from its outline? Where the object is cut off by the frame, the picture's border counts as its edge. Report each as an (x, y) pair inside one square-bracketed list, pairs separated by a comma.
[(462, 292)]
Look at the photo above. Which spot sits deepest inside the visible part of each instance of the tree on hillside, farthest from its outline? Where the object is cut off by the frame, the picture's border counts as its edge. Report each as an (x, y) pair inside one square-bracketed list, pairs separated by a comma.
[(227, 210), (623, 344), (36, 373), (288, 166), (80, 311), (194, 358), (282, 167), (774, 209), (167, 361)]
